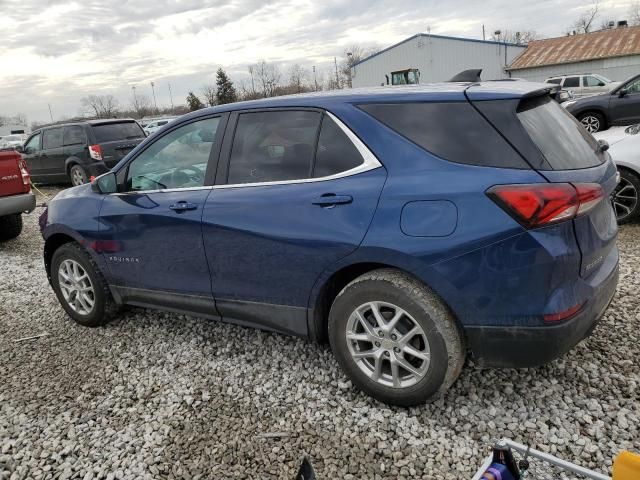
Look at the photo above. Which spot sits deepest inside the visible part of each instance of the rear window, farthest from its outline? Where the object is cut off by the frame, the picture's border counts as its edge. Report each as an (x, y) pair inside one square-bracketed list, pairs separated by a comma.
[(454, 131), (111, 132), (564, 143)]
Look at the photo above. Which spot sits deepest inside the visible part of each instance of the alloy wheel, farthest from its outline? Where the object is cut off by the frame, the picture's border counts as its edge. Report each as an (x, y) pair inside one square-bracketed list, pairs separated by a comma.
[(624, 199), (76, 287), (591, 123), (388, 344), (77, 177)]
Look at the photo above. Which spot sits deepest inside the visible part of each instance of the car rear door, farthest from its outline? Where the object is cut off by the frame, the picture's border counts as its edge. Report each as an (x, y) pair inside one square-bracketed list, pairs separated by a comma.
[(295, 192), (152, 230), (116, 139)]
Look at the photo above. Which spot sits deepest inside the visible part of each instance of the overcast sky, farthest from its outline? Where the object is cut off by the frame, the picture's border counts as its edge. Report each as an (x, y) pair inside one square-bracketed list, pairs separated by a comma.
[(56, 52)]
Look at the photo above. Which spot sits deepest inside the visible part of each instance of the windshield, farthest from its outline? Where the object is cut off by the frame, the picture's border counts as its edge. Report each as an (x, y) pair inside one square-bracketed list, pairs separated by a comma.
[(110, 132), (561, 139)]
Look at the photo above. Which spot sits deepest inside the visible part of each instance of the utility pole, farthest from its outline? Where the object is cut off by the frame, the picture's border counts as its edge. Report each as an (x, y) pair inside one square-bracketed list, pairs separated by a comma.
[(335, 61), (154, 96), (315, 78), (135, 99), (484, 37), (50, 114), (171, 96)]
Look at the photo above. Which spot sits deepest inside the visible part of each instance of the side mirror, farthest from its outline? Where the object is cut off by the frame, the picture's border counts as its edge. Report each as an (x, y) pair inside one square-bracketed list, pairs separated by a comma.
[(601, 84), (622, 92), (19, 149), (105, 183), (603, 146)]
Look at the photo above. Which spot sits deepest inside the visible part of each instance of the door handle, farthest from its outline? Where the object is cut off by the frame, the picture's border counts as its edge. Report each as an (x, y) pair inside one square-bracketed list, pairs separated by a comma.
[(183, 206), (331, 200)]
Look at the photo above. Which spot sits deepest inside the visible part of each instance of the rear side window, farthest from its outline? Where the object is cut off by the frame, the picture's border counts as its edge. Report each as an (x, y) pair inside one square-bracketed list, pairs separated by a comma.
[(571, 82), (564, 143), (111, 132), (336, 153), (273, 146), (74, 135), (454, 131), (52, 138)]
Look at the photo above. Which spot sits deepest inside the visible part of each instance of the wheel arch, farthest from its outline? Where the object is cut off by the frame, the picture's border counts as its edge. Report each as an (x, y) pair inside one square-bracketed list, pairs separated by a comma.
[(331, 284), (592, 109), (51, 244), (70, 162)]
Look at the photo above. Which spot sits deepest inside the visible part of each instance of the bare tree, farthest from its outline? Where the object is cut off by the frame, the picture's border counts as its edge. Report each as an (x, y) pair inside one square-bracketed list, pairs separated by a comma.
[(586, 22), (298, 76), (267, 77), (209, 94), (100, 106), (634, 13), (141, 105), (352, 54), (521, 37)]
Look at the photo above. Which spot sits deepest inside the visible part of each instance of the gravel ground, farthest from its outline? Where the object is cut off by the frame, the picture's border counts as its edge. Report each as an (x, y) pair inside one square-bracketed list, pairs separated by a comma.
[(158, 395)]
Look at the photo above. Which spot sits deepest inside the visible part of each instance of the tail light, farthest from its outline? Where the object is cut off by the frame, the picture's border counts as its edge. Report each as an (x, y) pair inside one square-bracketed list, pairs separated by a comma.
[(24, 171), (539, 204), (95, 151)]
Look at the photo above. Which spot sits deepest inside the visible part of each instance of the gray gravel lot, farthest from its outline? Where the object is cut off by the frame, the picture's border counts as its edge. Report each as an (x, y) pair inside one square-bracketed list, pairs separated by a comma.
[(159, 395)]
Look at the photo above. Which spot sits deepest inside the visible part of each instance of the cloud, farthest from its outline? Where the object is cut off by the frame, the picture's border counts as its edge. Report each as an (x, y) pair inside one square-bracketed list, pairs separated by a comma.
[(56, 52)]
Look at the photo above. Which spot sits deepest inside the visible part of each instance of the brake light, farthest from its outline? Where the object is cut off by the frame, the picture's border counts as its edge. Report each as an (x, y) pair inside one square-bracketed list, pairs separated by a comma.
[(539, 204), (95, 151), (24, 171)]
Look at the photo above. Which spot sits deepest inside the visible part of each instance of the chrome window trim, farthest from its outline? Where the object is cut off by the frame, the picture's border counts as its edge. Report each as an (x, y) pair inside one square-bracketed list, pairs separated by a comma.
[(370, 162)]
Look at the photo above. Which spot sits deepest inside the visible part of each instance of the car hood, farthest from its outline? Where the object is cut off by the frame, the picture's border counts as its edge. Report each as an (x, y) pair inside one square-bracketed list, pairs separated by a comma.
[(613, 135)]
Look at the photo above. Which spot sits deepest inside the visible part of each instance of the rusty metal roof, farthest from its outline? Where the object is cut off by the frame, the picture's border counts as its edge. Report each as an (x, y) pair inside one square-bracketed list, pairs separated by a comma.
[(616, 42)]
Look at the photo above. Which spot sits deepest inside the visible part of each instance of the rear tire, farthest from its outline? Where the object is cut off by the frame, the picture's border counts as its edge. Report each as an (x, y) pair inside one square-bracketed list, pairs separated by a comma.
[(593, 121), (626, 197), (388, 361), (78, 175), (74, 274), (10, 226)]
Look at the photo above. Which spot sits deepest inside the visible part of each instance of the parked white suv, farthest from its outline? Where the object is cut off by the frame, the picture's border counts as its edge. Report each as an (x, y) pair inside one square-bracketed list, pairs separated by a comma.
[(154, 125), (584, 85)]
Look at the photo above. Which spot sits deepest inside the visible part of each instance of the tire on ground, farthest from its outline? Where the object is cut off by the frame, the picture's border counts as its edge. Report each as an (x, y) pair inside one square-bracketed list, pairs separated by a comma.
[(446, 342), (77, 172), (634, 180), (104, 306), (10, 226)]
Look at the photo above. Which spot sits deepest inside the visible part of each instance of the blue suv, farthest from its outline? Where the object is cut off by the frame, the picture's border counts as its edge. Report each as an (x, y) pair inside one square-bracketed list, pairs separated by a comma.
[(410, 227)]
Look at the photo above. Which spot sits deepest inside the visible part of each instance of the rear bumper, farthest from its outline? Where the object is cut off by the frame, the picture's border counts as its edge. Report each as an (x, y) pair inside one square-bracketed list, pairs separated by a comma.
[(23, 203), (520, 347)]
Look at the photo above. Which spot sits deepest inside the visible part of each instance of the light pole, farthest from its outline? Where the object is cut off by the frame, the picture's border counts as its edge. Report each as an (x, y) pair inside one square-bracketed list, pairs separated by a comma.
[(171, 96), (350, 65), (315, 78), (154, 96)]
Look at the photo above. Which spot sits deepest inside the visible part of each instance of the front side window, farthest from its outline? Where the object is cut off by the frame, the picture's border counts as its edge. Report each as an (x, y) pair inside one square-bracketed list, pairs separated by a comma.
[(176, 160), (591, 81), (52, 138), (633, 86), (336, 153), (273, 146), (74, 135), (571, 82), (33, 145)]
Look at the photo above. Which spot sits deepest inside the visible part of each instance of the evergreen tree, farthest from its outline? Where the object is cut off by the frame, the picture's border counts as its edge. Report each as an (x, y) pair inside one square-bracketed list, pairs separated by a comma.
[(194, 102), (226, 92)]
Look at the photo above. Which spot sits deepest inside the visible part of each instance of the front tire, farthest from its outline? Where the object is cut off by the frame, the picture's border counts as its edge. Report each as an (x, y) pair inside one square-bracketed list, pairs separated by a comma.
[(10, 226), (593, 121), (78, 175), (395, 338), (80, 287), (626, 197)]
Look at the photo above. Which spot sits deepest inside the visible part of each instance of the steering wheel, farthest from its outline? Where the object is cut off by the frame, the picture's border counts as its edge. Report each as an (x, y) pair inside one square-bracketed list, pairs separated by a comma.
[(183, 176)]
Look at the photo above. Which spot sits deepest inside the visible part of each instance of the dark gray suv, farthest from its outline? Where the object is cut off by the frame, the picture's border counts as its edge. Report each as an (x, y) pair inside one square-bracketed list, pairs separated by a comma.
[(621, 106), (77, 151)]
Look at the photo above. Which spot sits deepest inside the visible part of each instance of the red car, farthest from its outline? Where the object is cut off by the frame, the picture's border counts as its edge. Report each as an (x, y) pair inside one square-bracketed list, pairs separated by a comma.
[(15, 194)]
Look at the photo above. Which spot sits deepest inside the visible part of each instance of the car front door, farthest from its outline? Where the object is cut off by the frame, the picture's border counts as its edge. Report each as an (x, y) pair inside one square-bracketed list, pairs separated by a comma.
[(32, 151), (152, 233), (53, 158), (625, 109), (573, 84), (295, 192)]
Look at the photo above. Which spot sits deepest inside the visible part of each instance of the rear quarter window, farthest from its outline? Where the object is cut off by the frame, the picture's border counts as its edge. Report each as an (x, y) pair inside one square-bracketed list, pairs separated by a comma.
[(111, 132), (561, 139), (453, 131)]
